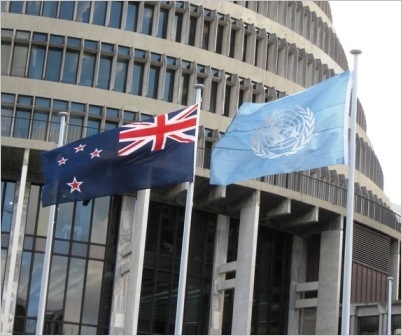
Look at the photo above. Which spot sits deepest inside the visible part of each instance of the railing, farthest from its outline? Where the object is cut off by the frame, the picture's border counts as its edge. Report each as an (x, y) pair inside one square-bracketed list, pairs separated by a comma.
[(304, 184)]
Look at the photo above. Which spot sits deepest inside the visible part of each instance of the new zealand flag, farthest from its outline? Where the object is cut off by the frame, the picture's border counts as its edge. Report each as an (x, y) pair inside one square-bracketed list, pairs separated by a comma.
[(154, 153)]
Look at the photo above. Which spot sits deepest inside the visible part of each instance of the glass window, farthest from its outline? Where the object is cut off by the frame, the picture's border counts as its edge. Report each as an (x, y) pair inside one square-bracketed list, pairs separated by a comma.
[(53, 64), (55, 297), (75, 287), (50, 8), (137, 78), (36, 62), (32, 212), (82, 222), (6, 120), (219, 39), (92, 292), (7, 207), (83, 10), (19, 60), (75, 125), (99, 12), (39, 37), (178, 25), (70, 66), (16, 7), (147, 20), (95, 110), (21, 127), (5, 56), (185, 82), (93, 127), (66, 10), (115, 14), (169, 85), (368, 325), (214, 95), (112, 112), (121, 75), (105, 68), (132, 16), (100, 220), (162, 24), (34, 290), (193, 30), (39, 125), (205, 35), (87, 69), (33, 7), (232, 43), (153, 82)]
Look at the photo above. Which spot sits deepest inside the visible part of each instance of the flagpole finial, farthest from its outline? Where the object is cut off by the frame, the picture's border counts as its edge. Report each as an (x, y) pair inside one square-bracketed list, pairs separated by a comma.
[(199, 86), (355, 51)]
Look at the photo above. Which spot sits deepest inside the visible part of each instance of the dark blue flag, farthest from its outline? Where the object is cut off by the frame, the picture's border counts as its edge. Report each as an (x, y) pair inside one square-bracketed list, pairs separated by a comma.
[(153, 153)]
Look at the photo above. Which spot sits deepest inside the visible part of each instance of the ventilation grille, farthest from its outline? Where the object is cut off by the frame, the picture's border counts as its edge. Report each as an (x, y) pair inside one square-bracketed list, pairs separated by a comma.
[(371, 248)]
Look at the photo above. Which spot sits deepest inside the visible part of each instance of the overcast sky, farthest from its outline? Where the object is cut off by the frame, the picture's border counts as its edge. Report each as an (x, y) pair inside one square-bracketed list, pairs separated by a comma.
[(375, 28)]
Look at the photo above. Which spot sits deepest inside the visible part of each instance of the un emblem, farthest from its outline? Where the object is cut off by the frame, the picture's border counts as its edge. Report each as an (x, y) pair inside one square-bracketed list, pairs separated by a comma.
[(284, 133)]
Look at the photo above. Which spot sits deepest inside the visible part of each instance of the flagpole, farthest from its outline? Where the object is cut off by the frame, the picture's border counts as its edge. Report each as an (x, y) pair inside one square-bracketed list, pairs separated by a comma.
[(49, 243), (347, 268), (389, 310), (181, 292)]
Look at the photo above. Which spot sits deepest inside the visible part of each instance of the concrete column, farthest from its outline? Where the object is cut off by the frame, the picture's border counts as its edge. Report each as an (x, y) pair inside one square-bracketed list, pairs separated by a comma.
[(246, 253), (136, 261), (220, 258), (395, 264), (329, 280), (297, 275)]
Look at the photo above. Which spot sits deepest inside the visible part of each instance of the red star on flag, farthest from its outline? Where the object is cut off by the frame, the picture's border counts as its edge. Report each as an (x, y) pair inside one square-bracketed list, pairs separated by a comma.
[(96, 153), (80, 148), (62, 161), (75, 185)]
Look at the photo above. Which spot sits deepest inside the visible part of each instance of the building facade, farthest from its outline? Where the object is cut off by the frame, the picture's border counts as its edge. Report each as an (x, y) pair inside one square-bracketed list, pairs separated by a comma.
[(265, 255)]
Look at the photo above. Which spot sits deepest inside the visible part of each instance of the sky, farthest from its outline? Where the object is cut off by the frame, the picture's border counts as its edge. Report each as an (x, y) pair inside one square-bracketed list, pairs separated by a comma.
[(374, 27)]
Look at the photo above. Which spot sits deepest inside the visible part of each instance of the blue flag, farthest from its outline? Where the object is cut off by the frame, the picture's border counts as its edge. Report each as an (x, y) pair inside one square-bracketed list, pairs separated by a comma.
[(153, 153), (302, 131)]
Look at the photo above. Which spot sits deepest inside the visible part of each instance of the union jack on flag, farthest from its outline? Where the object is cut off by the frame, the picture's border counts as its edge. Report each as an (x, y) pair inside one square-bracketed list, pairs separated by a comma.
[(157, 131), (154, 153)]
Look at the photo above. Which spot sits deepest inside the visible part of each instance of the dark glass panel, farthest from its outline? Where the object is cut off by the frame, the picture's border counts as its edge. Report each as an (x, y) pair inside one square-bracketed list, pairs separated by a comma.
[(219, 39), (75, 286), (5, 56), (92, 292), (185, 82), (205, 35), (214, 95), (82, 222), (153, 82), (178, 25), (32, 211), (79, 249), (105, 68), (66, 10), (193, 29), (39, 125), (63, 221), (162, 24), (34, 290), (115, 14), (93, 127), (161, 302), (99, 12), (61, 247), (148, 17), (70, 66), (121, 75), (57, 283), (50, 8), (33, 7), (36, 62), (16, 7), (21, 127), (169, 85), (132, 16), (53, 64), (87, 69), (19, 61), (22, 295), (100, 220), (83, 10), (7, 206)]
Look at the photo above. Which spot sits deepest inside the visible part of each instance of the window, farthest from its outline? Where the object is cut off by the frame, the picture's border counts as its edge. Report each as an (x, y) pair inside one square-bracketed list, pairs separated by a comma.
[(205, 34), (36, 62), (99, 12), (137, 78), (121, 75), (70, 66), (169, 85), (153, 81), (184, 86), (178, 25), (50, 8), (19, 60), (214, 96), (115, 14), (22, 120), (5, 56), (147, 20), (53, 64), (87, 69), (219, 39), (39, 125), (83, 10), (32, 7), (163, 21), (66, 10), (193, 30), (16, 6), (132, 16)]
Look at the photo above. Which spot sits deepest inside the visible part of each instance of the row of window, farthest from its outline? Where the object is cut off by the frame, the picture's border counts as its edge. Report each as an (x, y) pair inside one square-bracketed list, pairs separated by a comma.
[(195, 25), (82, 266)]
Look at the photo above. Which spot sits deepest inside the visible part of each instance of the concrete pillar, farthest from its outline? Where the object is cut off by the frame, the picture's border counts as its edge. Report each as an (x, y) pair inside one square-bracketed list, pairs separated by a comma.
[(297, 275), (329, 280), (246, 253), (220, 258), (136, 261), (395, 264)]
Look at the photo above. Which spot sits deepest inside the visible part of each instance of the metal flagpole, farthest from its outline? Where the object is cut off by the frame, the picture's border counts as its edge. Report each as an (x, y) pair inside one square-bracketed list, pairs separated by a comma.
[(49, 243), (181, 292), (389, 310), (6, 327), (347, 265)]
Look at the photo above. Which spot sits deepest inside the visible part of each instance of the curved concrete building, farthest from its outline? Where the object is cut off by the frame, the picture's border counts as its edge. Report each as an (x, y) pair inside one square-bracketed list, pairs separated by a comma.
[(265, 255)]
